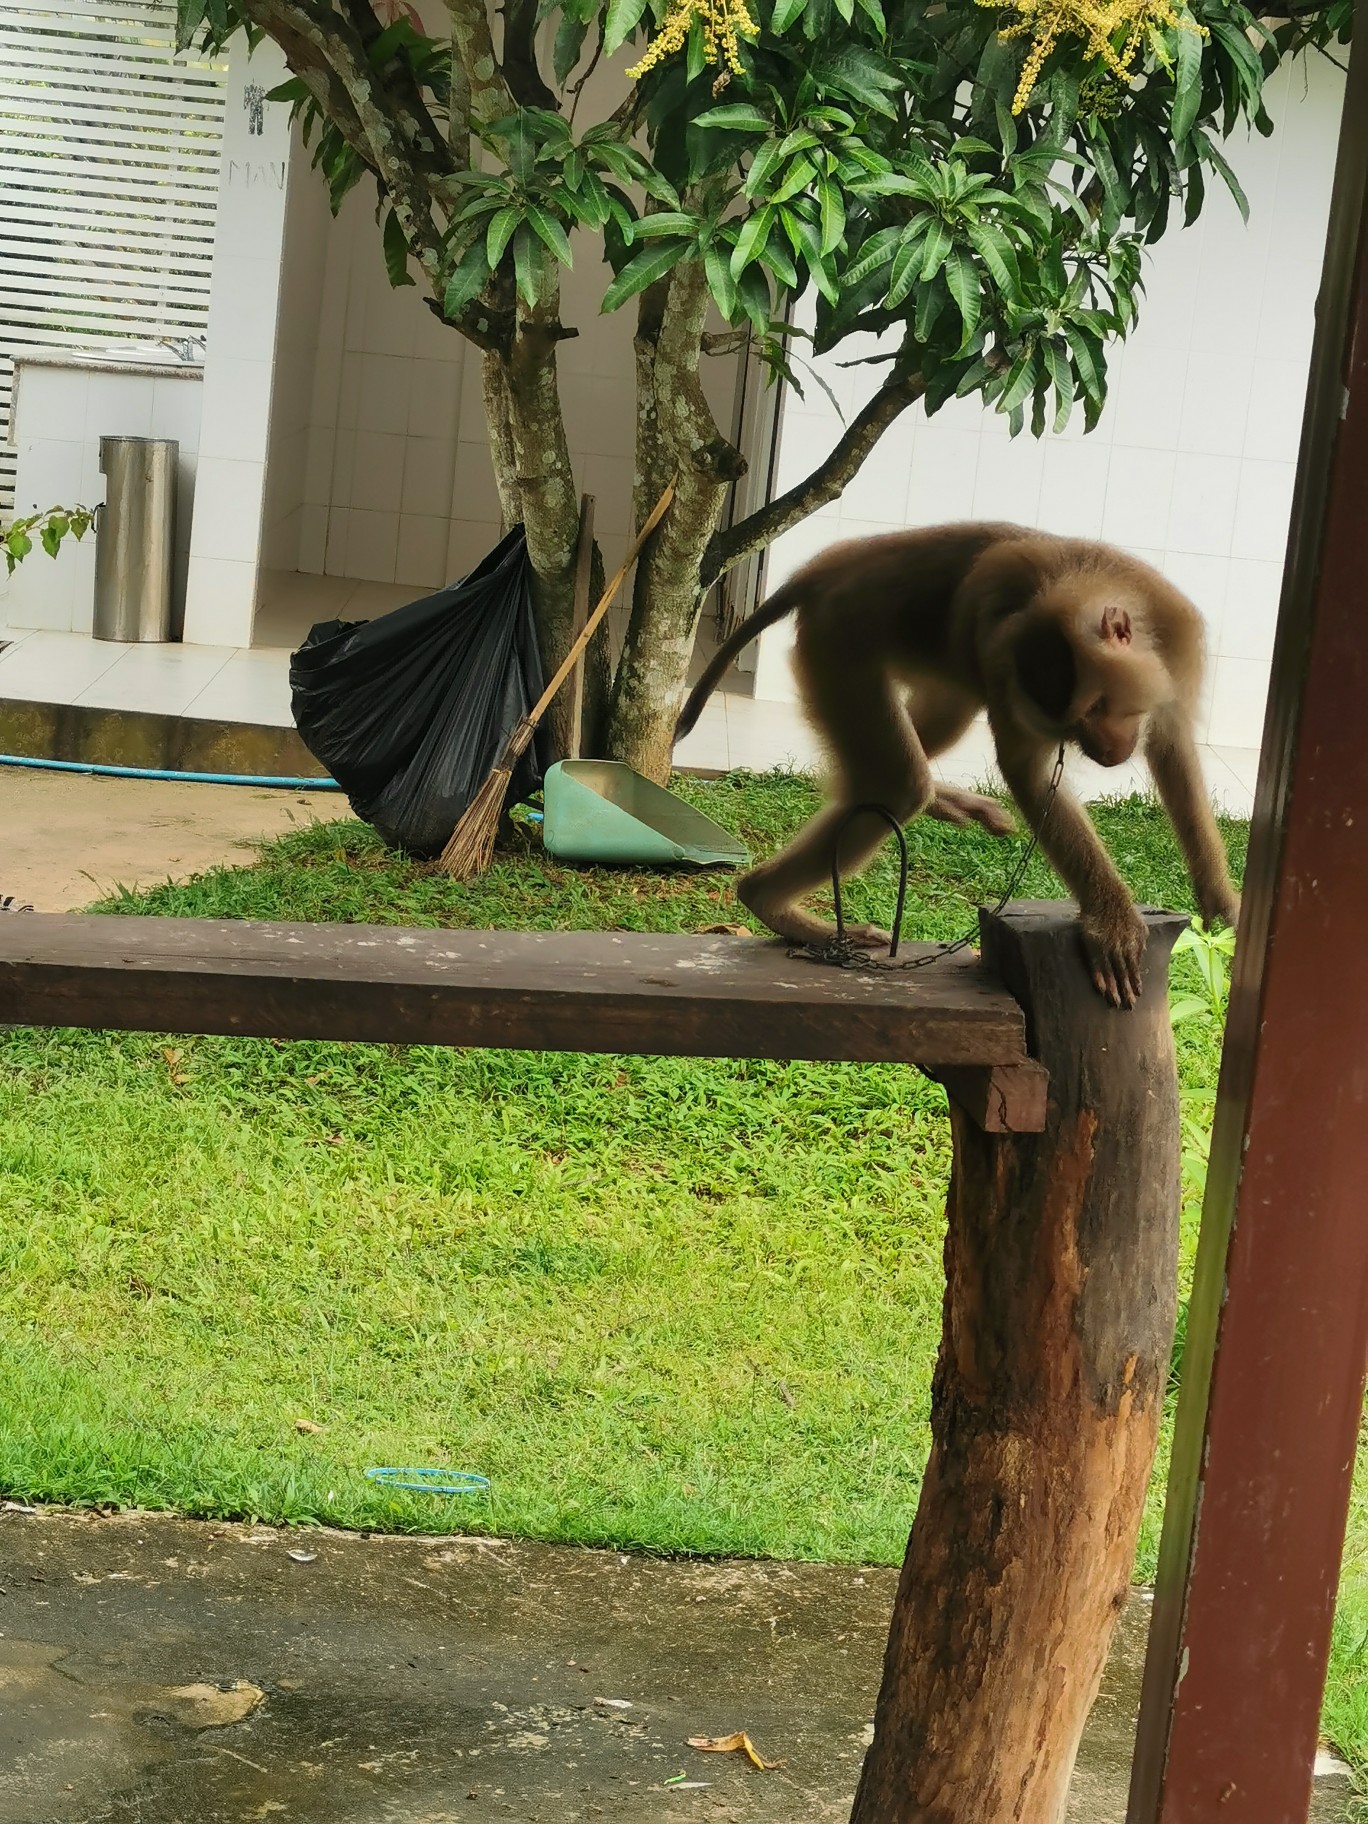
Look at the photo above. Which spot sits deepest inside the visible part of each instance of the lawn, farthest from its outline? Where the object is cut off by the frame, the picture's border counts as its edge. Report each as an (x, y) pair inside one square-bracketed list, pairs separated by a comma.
[(677, 1305)]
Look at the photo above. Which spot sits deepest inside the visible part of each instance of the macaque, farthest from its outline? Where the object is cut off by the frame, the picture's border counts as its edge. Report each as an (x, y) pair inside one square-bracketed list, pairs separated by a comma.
[(902, 640)]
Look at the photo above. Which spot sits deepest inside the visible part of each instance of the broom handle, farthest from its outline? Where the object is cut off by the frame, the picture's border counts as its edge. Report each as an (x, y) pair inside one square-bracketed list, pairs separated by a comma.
[(605, 602)]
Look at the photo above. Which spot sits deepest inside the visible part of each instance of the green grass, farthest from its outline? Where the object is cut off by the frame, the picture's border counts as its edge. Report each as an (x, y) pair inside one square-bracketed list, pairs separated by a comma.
[(679, 1305)]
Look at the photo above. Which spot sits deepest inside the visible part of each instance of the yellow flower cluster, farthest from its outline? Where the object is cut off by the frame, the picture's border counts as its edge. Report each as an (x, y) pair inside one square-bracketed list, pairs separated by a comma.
[(1114, 30), (724, 23)]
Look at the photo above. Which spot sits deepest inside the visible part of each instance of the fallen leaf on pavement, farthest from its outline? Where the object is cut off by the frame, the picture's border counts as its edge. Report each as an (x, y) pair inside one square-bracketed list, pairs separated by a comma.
[(306, 1425), (724, 931), (739, 1743)]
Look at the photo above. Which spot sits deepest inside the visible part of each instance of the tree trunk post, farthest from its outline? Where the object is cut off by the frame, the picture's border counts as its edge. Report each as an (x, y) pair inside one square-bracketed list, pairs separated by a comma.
[(1061, 1264)]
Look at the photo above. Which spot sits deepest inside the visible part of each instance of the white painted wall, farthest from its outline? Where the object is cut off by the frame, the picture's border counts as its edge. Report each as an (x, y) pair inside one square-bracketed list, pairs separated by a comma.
[(225, 543), (1192, 466)]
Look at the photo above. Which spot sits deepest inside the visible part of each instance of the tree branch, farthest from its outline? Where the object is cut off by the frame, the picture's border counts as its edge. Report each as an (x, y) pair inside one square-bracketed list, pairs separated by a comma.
[(490, 96), (824, 484), (520, 55)]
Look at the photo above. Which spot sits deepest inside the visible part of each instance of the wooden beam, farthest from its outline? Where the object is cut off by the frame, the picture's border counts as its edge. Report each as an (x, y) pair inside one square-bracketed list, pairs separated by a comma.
[(698, 996), (999, 1098), (1273, 1365)]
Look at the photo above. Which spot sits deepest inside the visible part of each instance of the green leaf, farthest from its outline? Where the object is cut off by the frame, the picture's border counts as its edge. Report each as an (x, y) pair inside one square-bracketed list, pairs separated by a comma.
[(54, 531), (1187, 90), (468, 279), (620, 22), (293, 91), (939, 241), (833, 215), (720, 282), (189, 18), (396, 251), (668, 221), (569, 42), (526, 265), (550, 233), (739, 116), (1213, 155), (750, 243), (643, 269), (877, 251), (763, 166), (1021, 379), (18, 543), (501, 233), (905, 273), (784, 14), (875, 13), (753, 295), (1061, 378), (1084, 361), (930, 305), (998, 255), (965, 290)]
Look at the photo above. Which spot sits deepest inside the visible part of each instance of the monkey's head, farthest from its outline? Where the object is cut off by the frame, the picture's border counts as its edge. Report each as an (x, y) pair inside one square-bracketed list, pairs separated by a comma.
[(1082, 673)]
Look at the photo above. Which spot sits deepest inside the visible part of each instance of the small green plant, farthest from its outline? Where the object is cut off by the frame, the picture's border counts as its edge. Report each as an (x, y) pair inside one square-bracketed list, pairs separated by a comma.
[(49, 527), (1210, 952)]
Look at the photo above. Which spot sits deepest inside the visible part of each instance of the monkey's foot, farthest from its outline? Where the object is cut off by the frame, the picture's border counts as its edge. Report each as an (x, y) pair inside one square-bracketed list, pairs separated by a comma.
[(950, 805)]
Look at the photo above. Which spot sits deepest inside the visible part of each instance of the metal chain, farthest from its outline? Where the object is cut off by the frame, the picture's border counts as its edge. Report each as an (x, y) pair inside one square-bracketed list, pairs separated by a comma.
[(840, 953)]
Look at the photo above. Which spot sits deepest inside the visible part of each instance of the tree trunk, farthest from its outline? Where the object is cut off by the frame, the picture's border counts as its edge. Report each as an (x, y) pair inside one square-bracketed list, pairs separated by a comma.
[(1061, 1260), (677, 438)]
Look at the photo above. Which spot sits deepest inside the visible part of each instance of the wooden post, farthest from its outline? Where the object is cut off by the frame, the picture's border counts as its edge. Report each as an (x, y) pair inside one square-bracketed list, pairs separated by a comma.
[(1061, 1262), (584, 563)]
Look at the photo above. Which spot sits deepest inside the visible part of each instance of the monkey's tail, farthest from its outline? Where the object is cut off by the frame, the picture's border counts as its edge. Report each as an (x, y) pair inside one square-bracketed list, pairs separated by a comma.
[(782, 602)]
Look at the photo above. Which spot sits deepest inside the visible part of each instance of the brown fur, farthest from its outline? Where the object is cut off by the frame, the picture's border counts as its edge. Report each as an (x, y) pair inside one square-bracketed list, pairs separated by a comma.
[(902, 640)]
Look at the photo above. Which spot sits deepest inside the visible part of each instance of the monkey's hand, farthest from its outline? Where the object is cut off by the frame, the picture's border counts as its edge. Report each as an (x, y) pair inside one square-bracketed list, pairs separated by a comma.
[(1114, 941), (950, 805), (1222, 903)]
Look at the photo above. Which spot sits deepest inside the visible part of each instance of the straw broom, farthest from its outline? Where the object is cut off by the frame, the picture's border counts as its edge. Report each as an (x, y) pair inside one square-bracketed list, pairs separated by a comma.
[(471, 847)]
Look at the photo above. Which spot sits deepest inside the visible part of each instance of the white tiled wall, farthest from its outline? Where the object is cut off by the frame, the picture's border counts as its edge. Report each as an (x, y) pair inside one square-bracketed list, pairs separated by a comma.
[(61, 413), (1192, 465), (226, 537)]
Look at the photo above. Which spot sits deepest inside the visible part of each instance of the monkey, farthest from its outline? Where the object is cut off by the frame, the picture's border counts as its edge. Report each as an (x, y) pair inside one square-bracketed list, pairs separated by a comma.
[(902, 639)]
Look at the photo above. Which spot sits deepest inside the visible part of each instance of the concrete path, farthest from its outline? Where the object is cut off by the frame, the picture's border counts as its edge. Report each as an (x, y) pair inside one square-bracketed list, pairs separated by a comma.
[(68, 838), (179, 1672)]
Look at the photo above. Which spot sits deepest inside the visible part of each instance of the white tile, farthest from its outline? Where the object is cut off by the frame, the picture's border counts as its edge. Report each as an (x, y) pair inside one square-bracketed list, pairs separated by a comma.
[(343, 464), (237, 410), (53, 667), (377, 481), (1202, 506), (429, 470), (1239, 693), (1204, 580), (1009, 479), (246, 689), (335, 550), (176, 412), (119, 405), (1276, 405), (386, 384), (1139, 490), (1263, 510), (470, 541), (318, 465), (1073, 494), (1253, 592), (435, 400), (474, 495), (165, 679), (42, 591), (313, 537), (349, 392), (390, 326), (944, 472), (51, 403), (1145, 405), (228, 503), (47, 471), (881, 489), (242, 322), (1215, 404), (422, 551), (372, 545), (326, 388), (219, 601)]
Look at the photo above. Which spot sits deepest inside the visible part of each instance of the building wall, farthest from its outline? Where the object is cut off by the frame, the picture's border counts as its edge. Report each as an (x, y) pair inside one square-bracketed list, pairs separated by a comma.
[(1192, 465)]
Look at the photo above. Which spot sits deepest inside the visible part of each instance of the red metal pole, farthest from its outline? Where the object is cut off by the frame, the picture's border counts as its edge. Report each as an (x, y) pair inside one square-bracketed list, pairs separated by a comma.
[(1278, 1325)]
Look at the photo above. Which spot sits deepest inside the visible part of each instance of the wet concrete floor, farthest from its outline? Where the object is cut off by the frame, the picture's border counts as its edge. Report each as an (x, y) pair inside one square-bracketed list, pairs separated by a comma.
[(164, 1671)]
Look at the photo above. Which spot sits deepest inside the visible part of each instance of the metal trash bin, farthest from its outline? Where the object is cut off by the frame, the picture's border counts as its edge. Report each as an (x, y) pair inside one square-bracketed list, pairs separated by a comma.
[(135, 538)]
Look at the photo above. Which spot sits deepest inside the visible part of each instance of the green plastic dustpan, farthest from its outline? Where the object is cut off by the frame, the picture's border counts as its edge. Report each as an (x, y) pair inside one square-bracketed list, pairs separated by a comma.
[(602, 811)]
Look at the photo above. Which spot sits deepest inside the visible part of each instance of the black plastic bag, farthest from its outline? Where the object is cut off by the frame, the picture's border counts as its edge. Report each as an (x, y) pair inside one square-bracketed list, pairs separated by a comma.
[(410, 712)]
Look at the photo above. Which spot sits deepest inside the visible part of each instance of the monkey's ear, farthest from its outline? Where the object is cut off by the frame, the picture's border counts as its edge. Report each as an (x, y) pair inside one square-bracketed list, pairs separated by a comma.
[(1116, 625), (1046, 668)]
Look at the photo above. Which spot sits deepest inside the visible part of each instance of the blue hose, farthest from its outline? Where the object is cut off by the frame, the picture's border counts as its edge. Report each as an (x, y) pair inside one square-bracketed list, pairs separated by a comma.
[(150, 772)]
